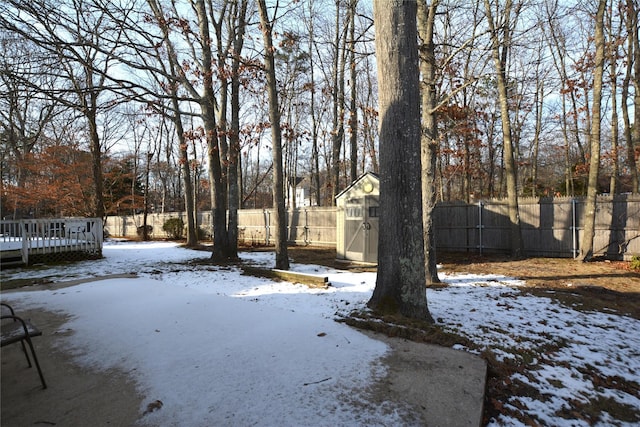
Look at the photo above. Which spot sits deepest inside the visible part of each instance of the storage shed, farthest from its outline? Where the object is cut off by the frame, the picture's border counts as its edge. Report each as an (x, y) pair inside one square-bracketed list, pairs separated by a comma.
[(357, 220)]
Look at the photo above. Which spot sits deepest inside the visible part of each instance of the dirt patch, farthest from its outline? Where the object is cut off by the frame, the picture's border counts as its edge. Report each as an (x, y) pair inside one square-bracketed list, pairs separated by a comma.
[(589, 286), (549, 272)]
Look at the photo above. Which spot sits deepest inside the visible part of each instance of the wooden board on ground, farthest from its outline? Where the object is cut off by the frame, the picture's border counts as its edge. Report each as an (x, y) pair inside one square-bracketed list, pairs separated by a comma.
[(311, 280)]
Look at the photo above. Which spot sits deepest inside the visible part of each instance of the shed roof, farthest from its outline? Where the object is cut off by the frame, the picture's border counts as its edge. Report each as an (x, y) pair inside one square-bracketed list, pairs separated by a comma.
[(372, 175)]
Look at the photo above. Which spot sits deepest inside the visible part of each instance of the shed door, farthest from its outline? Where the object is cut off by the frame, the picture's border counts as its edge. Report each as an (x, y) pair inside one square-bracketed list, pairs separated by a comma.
[(361, 229)]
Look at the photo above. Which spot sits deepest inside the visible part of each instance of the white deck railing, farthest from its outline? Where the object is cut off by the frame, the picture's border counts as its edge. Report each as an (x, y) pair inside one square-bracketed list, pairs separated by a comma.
[(49, 236)]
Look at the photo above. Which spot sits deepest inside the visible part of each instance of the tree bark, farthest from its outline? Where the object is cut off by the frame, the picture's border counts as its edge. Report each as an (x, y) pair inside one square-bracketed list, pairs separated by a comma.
[(400, 284), (282, 256), (429, 139), (613, 54), (90, 112), (586, 246), (634, 27), (632, 36)]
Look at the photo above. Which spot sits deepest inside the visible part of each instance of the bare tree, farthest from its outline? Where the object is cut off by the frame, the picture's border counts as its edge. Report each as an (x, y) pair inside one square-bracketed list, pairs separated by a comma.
[(207, 103), (557, 47), (429, 140), (613, 56), (338, 71), (586, 246), (171, 77), (353, 106), (500, 49), (82, 41), (315, 154), (633, 140), (24, 115), (400, 284), (282, 256), (237, 19)]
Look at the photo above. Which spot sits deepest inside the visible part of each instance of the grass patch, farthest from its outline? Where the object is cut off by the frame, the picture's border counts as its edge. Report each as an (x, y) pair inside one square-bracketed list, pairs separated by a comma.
[(592, 410), (592, 298), (20, 283)]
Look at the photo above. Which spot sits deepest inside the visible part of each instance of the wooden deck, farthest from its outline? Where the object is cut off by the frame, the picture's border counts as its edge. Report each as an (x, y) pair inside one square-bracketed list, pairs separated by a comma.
[(30, 241)]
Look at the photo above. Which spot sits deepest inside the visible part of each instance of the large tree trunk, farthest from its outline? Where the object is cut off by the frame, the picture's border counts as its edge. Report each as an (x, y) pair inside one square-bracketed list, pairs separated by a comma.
[(586, 247), (400, 284), (96, 155), (429, 140), (499, 59), (282, 256), (234, 138), (207, 105), (218, 200)]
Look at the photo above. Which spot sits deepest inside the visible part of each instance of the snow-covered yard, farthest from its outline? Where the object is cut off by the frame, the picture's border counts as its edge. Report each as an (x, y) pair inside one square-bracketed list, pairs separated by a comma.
[(195, 322)]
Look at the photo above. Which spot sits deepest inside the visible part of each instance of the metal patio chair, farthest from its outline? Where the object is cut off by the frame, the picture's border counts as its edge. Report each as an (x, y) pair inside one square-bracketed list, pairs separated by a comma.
[(15, 329)]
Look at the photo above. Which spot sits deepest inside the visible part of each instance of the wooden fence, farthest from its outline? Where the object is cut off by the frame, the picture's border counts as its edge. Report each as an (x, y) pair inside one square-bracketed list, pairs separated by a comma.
[(551, 227), (306, 226)]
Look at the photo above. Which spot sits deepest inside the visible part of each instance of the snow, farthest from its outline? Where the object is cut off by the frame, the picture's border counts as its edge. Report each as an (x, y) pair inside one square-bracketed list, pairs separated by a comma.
[(221, 348)]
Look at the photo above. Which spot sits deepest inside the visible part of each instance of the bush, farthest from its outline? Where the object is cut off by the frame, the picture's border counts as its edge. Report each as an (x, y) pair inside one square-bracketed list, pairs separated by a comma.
[(635, 263), (174, 227), (203, 234), (140, 231)]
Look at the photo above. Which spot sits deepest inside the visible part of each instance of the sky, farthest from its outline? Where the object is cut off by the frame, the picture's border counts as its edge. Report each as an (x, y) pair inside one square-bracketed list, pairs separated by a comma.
[(280, 357)]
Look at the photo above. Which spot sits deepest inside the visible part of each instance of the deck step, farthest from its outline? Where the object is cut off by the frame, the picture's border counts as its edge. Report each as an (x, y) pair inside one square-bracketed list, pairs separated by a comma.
[(11, 262)]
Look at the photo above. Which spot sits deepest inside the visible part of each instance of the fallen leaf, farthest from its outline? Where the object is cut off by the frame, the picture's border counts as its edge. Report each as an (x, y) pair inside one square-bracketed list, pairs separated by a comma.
[(153, 406)]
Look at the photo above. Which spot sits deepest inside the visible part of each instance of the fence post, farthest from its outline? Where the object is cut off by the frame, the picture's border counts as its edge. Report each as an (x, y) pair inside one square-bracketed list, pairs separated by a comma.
[(306, 227), (480, 227), (574, 229), (267, 222), (26, 236)]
